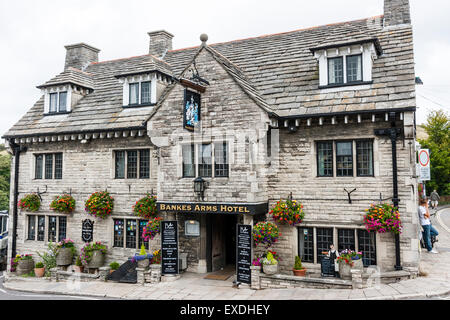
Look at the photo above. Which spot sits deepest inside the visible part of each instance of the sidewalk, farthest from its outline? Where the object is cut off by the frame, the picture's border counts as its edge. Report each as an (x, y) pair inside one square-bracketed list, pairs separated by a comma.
[(194, 287)]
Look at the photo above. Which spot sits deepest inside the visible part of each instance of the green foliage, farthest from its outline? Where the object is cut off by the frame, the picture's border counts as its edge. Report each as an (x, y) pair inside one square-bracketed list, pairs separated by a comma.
[(114, 265), (39, 265), (78, 262), (269, 259), (5, 167), (49, 257), (143, 252), (298, 263), (438, 130), (30, 202), (146, 207)]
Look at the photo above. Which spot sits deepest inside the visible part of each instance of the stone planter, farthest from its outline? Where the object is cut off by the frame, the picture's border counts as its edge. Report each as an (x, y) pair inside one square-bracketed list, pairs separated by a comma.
[(345, 269), (270, 268), (39, 272), (299, 273), (144, 263), (24, 266), (97, 260), (64, 257)]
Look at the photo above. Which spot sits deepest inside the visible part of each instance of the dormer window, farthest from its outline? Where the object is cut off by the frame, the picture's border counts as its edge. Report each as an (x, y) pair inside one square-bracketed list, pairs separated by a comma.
[(346, 64), (144, 88), (58, 102)]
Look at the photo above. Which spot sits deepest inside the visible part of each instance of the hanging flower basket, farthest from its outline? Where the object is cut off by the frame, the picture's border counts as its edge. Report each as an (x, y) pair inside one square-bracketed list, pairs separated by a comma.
[(31, 202), (64, 203), (383, 218), (152, 228), (100, 204), (265, 233), (289, 211), (146, 207)]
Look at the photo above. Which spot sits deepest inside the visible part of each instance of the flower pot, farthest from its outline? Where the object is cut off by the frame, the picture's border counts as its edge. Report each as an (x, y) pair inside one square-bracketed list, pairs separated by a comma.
[(24, 266), (64, 257), (78, 268), (144, 263), (299, 273), (270, 268), (39, 272), (97, 260), (345, 269)]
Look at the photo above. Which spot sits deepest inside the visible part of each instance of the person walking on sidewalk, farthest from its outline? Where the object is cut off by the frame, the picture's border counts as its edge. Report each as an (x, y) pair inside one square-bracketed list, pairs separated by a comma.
[(428, 229), (434, 199)]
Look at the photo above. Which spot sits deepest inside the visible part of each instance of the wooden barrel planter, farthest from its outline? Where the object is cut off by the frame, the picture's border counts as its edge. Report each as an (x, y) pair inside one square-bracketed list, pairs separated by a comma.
[(345, 270), (64, 257), (97, 260), (24, 266)]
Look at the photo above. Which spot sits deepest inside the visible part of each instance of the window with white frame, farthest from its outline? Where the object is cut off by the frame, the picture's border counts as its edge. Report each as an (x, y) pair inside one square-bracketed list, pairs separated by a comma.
[(57, 102), (205, 160), (346, 65), (139, 91)]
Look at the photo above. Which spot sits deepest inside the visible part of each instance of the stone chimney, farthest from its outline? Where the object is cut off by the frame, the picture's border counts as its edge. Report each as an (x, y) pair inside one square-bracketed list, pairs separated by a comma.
[(396, 12), (160, 43), (80, 55)]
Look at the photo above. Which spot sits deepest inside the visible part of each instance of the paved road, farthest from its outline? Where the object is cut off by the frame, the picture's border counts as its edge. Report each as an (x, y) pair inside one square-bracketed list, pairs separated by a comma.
[(17, 295)]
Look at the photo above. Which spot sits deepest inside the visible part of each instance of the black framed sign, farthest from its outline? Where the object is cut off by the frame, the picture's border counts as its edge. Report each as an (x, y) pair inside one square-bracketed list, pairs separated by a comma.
[(87, 230), (169, 247), (191, 109), (243, 253)]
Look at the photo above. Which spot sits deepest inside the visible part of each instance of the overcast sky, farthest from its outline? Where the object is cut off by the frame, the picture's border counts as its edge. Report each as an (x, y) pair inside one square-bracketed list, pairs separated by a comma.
[(33, 35)]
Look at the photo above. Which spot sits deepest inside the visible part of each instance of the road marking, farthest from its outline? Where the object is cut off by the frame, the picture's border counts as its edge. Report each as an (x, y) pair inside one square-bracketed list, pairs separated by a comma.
[(438, 218)]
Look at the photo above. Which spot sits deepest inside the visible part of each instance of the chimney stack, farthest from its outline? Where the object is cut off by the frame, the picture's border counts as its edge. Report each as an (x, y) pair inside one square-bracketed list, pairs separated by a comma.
[(160, 43), (80, 55), (396, 12)]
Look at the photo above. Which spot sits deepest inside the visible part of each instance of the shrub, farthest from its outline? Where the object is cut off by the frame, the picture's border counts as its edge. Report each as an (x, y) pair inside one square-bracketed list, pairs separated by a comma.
[(39, 265), (31, 202), (269, 259), (114, 265), (143, 252), (64, 203), (49, 258), (100, 204), (78, 262), (298, 263), (146, 207)]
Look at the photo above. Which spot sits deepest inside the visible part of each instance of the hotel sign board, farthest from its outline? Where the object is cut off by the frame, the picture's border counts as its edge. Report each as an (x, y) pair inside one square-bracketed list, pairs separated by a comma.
[(222, 208), (169, 247), (243, 253)]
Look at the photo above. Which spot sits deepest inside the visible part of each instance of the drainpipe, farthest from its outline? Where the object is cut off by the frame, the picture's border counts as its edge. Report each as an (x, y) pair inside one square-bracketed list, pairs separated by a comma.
[(393, 133), (17, 149)]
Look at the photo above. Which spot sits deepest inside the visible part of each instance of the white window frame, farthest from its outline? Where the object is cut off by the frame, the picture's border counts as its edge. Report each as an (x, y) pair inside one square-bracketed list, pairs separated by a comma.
[(138, 79), (57, 90)]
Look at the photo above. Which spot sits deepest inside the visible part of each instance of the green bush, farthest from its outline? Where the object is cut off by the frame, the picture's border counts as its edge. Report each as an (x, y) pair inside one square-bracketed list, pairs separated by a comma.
[(298, 263), (39, 265), (114, 265)]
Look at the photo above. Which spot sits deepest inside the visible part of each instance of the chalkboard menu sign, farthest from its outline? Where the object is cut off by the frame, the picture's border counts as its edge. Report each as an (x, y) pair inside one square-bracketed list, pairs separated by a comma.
[(244, 253), (87, 230), (169, 247)]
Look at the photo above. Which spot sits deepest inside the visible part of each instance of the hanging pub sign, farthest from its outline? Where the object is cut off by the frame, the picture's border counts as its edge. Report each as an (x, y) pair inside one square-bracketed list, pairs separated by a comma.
[(87, 230), (191, 110), (244, 253), (169, 247)]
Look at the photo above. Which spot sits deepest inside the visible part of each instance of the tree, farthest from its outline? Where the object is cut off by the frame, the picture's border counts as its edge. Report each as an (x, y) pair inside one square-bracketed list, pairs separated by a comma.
[(5, 167), (438, 142)]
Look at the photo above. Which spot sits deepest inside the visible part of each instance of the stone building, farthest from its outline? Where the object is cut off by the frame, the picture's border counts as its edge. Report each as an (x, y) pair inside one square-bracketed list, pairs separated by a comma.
[(303, 113)]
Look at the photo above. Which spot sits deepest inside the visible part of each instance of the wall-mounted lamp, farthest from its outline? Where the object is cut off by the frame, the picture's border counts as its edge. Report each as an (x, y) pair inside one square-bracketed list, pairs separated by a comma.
[(199, 187)]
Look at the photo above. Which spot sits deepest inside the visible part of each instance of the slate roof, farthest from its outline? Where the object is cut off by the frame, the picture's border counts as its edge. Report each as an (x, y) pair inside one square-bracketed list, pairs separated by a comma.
[(278, 71), (71, 75)]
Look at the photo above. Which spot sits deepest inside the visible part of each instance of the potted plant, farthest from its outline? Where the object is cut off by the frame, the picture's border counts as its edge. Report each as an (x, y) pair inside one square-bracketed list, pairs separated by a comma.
[(100, 204), (152, 229), (299, 270), (113, 266), (64, 203), (383, 218), (24, 264), (93, 255), (49, 258), (142, 259), (31, 202), (146, 207), (289, 211), (78, 267), (270, 264), (39, 269), (265, 233), (65, 252), (348, 260)]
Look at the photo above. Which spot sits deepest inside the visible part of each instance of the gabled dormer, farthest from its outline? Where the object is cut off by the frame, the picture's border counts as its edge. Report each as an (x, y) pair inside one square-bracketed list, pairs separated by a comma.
[(64, 91), (346, 63)]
